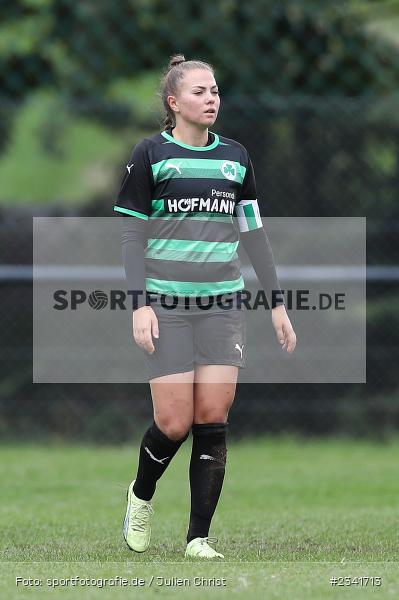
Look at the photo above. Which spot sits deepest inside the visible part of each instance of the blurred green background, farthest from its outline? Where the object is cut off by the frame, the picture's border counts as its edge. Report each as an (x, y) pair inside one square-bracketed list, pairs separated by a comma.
[(310, 88)]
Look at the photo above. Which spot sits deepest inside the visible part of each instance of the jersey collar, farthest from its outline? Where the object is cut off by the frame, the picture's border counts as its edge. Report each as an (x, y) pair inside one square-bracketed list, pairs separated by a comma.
[(197, 148)]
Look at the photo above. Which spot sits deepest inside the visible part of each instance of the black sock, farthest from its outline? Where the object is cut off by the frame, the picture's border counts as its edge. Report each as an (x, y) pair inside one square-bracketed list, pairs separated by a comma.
[(156, 452), (207, 467)]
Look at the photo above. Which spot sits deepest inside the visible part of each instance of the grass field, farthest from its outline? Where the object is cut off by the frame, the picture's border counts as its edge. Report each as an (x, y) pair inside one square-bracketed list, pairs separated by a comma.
[(291, 516)]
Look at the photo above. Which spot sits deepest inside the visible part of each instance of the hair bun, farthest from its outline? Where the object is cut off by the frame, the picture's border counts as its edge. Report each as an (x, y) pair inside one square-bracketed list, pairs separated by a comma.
[(177, 59)]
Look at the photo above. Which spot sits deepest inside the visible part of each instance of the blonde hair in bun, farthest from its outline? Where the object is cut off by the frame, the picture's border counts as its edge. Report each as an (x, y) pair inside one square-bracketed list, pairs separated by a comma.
[(170, 82)]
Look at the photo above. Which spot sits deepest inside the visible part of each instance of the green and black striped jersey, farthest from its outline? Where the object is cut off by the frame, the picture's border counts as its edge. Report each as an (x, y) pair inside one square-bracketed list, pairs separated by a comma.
[(196, 201)]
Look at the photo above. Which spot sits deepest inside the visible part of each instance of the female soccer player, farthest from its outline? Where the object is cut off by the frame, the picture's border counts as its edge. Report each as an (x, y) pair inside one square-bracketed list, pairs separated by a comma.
[(183, 192)]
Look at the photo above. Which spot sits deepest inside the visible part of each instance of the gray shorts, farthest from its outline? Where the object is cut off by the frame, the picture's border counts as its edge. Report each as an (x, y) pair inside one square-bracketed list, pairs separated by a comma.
[(197, 338)]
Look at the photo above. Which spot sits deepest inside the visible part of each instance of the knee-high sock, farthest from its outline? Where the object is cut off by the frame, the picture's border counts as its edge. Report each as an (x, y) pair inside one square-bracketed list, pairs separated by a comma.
[(156, 452), (207, 467)]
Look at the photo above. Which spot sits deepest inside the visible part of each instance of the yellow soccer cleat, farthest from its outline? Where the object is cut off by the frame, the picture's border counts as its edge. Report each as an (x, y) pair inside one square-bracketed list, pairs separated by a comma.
[(137, 523), (200, 548)]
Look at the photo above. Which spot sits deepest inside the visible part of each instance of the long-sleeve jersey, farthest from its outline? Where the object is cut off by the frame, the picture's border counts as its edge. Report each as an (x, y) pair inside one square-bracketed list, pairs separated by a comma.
[(195, 201)]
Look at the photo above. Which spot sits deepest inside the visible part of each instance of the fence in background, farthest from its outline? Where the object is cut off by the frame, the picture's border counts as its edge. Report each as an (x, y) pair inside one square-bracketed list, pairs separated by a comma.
[(309, 88)]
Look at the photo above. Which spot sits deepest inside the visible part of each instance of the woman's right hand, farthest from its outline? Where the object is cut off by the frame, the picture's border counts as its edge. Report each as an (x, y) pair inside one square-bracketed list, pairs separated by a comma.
[(145, 325)]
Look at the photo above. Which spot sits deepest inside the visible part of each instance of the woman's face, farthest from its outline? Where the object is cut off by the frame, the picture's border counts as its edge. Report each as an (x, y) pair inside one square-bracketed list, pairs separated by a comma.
[(198, 99)]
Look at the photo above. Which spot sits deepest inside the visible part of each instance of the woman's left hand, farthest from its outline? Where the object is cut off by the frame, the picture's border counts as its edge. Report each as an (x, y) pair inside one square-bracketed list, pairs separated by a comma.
[(283, 328)]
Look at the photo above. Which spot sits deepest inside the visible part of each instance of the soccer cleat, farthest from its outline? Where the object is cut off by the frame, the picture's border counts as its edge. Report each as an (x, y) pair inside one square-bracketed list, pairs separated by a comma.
[(137, 523), (199, 548)]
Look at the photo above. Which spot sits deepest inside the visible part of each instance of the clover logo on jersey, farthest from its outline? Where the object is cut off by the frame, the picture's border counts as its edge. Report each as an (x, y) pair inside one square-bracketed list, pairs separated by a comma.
[(229, 170)]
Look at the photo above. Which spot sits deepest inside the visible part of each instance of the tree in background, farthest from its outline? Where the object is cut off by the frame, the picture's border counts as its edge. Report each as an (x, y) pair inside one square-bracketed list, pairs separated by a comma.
[(292, 73)]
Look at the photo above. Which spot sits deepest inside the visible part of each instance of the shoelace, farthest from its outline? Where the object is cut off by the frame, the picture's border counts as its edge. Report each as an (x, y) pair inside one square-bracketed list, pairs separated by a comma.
[(139, 518), (209, 540)]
